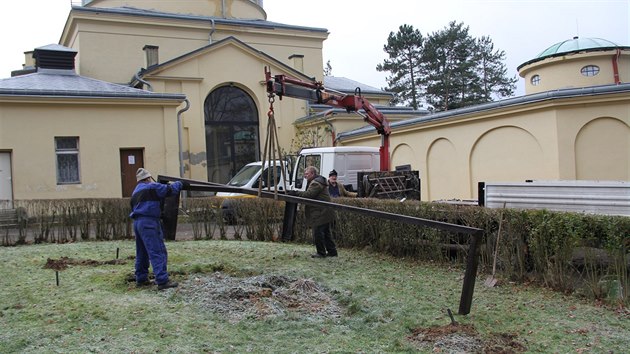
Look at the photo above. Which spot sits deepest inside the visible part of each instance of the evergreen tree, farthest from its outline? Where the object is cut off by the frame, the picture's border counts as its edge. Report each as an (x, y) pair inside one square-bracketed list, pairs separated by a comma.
[(328, 69), (404, 49), (449, 76), (450, 67), (492, 71)]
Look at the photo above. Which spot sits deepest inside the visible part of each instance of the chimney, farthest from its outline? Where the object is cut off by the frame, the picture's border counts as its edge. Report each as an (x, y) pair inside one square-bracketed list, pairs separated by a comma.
[(151, 52), (54, 56), (298, 61)]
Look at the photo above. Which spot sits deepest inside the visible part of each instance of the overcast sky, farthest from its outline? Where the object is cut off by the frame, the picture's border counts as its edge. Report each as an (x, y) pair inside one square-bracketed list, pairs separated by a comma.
[(359, 28)]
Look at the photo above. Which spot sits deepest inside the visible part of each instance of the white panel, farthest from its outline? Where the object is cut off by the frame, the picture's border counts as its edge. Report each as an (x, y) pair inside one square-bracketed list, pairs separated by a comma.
[(596, 197), (6, 189)]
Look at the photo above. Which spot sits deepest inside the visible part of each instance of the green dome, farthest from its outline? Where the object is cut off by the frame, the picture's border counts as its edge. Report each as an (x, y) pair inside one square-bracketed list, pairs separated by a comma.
[(577, 45), (574, 45)]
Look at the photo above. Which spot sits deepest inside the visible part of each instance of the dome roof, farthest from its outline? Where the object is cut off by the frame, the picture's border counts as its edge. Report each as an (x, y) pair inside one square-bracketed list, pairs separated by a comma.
[(574, 45), (577, 45)]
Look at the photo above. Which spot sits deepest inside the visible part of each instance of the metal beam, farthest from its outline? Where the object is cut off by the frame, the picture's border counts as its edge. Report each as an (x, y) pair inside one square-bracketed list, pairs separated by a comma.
[(215, 187), (472, 260)]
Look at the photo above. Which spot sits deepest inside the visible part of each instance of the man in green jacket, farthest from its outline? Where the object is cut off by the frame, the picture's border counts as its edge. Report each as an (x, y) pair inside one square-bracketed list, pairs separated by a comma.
[(319, 218)]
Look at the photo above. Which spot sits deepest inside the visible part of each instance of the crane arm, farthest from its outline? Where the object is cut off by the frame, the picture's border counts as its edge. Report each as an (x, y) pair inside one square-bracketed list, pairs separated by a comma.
[(283, 85)]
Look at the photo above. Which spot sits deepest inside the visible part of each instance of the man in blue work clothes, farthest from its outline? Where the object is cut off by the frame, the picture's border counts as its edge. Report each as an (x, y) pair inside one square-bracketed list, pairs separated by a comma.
[(146, 208)]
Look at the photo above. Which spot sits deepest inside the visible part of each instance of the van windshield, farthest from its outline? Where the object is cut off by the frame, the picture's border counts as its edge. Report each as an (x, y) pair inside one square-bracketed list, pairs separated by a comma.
[(243, 176)]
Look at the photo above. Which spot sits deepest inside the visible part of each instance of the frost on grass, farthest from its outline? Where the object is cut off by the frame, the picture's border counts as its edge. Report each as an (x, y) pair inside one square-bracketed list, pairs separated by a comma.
[(461, 338), (259, 297)]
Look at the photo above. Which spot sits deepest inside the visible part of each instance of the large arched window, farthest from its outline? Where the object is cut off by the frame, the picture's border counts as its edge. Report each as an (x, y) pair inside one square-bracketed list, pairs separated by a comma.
[(231, 120)]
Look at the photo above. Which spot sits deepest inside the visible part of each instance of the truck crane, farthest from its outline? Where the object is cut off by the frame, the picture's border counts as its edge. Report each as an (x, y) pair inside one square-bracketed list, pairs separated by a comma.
[(314, 91)]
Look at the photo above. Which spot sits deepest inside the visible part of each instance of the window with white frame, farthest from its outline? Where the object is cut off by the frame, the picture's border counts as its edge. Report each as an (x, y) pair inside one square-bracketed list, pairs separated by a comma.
[(67, 151)]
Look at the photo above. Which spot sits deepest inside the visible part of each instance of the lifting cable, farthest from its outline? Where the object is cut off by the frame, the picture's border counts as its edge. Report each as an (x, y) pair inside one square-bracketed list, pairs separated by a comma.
[(272, 146)]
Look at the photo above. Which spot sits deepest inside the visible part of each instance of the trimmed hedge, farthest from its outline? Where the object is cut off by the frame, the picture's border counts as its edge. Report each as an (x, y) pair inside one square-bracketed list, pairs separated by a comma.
[(570, 252)]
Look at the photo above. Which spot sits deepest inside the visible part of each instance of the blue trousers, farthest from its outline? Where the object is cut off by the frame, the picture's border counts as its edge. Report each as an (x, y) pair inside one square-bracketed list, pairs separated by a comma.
[(150, 247)]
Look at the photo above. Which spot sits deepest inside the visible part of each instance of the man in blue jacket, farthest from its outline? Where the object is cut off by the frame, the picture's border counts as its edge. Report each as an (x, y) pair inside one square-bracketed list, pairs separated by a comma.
[(146, 208)]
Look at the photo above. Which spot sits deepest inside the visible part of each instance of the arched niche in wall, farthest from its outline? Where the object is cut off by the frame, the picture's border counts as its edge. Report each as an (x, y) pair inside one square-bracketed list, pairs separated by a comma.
[(506, 154), (444, 176), (602, 150)]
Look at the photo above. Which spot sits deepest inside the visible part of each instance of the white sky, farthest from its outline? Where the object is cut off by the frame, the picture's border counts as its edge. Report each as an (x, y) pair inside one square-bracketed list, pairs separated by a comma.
[(359, 28)]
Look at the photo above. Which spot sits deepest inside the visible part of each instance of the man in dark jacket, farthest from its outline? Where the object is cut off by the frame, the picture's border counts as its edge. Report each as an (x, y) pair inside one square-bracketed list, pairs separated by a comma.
[(337, 189), (146, 208), (319, 218)]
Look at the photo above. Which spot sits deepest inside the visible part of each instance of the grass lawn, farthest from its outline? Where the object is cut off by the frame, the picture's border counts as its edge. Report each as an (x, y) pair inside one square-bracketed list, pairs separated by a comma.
[(240, 296)]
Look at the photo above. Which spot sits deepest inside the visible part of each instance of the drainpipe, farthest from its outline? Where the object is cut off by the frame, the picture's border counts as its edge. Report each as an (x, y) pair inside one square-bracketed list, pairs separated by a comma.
[(332, 128), (211, 30), (615, 63), (223, 8), (179, 136), (137, 77), (179, 141)]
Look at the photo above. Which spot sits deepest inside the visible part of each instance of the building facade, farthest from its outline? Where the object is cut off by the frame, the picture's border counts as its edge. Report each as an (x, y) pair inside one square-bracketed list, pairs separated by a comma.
[(573, 124), (178, 88)]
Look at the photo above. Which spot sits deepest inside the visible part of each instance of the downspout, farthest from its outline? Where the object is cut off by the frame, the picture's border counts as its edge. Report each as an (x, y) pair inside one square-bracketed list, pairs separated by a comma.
[(332, 127), (211, 30), (179, 136), (137, 77), (615, 63), (179, 141), (223, 8)]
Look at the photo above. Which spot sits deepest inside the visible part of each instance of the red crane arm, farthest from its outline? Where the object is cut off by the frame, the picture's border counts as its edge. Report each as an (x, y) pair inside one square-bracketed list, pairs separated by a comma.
[(283, 85)]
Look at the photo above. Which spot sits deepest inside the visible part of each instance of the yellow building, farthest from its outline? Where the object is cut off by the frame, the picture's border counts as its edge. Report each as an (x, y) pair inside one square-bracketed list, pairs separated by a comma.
[(198, 67), (178, 87), (572, 124)]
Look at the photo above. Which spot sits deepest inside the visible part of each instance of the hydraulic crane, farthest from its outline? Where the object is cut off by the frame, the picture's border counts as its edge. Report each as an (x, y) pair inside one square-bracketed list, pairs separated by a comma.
[(314, 91)]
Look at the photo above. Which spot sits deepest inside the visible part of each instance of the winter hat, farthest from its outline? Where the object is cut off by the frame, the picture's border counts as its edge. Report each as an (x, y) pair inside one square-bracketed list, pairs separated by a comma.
[(142, 174), (332, 173)]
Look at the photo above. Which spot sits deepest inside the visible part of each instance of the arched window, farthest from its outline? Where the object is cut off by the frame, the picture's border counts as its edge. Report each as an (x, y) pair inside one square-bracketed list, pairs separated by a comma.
[(231, 120), (535, 80)]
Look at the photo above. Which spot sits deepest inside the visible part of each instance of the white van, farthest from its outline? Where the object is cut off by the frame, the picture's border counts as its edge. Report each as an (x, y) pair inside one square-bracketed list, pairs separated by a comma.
[(252, 174), (346, 160)]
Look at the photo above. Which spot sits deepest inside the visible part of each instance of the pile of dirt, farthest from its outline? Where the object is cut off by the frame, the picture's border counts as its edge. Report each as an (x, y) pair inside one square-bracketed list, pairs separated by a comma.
[(259, 297), (64, 262), (461, 338)]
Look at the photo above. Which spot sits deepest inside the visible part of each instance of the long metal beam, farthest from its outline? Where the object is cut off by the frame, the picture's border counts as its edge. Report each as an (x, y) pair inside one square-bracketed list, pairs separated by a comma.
[(215, 187), (472, 260)]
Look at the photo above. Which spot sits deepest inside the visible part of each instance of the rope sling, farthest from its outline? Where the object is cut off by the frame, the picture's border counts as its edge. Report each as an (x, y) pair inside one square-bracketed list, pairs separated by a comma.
[(272, 146)]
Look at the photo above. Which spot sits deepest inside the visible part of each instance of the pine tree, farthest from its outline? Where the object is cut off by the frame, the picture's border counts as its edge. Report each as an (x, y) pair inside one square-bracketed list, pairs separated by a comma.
[(492, 71), (449, 75), (405, 51), (451, 68)]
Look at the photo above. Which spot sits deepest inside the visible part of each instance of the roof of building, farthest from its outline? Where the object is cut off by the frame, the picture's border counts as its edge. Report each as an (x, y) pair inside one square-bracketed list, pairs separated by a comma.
[(346, 85), (52, 82), (575, 45), (132, 11), (510, 102)]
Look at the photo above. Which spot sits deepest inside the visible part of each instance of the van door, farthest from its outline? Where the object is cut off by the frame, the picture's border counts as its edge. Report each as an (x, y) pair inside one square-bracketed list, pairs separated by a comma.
[(277, 181), (303, 162)]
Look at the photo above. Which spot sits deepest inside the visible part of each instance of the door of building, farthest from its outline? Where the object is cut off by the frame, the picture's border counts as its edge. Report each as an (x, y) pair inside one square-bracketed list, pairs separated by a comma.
[(130, 161), (6, 184)]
